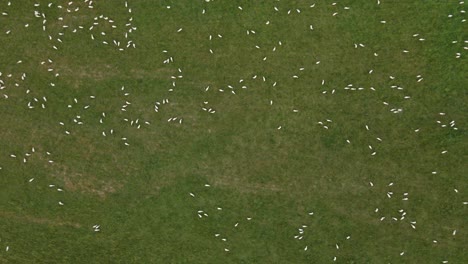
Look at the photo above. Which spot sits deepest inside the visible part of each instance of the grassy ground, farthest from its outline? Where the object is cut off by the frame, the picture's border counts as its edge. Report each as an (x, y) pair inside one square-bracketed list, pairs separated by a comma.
[(268, 162)]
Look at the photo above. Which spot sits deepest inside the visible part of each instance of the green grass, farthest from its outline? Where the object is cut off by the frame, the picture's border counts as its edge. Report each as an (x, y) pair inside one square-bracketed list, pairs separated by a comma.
[(140, 194)]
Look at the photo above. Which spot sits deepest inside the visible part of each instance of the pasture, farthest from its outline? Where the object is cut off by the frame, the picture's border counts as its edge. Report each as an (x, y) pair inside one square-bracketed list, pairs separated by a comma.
[(233, 131)]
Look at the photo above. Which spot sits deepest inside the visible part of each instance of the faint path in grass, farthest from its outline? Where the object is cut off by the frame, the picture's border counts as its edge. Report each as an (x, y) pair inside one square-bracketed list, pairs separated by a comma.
[(38, 220), (247, 188)]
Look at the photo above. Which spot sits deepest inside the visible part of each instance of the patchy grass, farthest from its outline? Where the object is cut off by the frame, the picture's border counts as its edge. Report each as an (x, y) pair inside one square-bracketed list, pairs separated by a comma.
[(287, 100)]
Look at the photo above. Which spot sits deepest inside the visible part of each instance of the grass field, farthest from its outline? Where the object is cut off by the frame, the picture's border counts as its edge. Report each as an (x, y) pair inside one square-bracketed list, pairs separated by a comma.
[(233, 131)]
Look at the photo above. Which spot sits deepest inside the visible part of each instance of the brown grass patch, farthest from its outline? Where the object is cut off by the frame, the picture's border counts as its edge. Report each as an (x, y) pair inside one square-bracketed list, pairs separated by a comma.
[(87, 183), (84, 72)]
